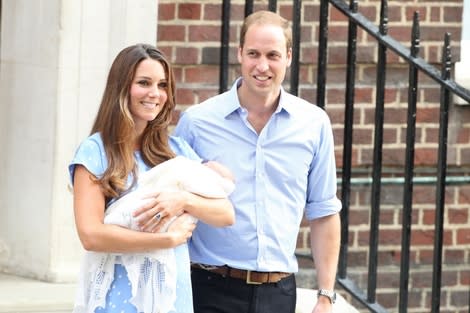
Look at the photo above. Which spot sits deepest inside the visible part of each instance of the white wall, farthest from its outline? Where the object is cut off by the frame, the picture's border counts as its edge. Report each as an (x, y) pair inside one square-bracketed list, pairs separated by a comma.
[(462, 74), (54, 60)]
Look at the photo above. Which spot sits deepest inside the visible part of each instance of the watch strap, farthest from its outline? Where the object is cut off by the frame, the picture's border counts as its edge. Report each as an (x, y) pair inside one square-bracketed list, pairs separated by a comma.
[(330, 294)]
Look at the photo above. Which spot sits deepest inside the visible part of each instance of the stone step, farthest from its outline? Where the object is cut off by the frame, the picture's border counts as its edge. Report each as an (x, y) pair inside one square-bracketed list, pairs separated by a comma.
[(306, 299), (20, 295), (23, 295)]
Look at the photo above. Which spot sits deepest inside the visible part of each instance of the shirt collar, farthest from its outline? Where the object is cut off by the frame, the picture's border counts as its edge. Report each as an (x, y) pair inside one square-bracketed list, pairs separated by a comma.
[(284, 104)]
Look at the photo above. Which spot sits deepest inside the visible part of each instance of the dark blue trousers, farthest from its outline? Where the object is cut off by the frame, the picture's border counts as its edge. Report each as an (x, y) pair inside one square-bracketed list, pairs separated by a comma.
[(213, 293)]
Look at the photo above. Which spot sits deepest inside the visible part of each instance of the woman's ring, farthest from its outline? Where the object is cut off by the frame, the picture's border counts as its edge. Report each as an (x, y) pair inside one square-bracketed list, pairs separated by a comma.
[(157, 216)]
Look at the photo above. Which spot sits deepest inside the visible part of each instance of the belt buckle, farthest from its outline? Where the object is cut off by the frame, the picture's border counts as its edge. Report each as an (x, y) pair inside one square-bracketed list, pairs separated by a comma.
[(249, 281)]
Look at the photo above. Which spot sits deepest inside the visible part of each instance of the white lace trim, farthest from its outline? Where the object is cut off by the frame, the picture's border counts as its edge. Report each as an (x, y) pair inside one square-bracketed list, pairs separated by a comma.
[(153, 283)]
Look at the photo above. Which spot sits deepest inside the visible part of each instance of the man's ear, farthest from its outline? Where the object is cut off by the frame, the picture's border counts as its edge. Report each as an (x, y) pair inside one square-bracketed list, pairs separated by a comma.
[(239, 54), (289, 57)]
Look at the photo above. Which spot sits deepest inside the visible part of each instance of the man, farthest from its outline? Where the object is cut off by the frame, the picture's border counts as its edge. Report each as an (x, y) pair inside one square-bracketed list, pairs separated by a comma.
[(280, 149)]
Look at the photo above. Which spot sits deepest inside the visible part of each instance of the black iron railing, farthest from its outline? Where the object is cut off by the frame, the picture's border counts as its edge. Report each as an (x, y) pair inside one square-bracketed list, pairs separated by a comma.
[(416, 65), (448, 87)]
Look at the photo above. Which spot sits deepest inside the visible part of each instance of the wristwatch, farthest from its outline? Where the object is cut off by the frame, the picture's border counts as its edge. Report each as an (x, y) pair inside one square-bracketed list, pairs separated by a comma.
[(330, 294)]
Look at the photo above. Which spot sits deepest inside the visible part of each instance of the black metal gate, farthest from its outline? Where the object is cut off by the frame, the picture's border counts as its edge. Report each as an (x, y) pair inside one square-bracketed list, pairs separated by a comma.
[(448, 87)]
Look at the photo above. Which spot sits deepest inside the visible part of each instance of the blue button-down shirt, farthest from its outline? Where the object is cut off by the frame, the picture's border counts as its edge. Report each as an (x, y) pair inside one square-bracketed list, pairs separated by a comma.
[(286, 170)]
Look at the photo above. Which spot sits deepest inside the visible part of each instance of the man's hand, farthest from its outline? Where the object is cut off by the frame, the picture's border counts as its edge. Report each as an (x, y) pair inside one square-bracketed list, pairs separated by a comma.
[(323, 305)]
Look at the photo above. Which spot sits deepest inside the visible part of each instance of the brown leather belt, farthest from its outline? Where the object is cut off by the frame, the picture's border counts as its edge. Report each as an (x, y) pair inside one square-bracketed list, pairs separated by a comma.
[(250, 277)]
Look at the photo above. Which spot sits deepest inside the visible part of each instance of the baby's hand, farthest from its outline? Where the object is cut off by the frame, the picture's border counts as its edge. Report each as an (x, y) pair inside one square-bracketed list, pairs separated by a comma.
[(220, 169)]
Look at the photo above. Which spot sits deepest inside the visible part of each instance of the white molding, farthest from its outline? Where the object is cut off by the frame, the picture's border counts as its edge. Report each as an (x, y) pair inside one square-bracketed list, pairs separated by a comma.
[(462, 68)]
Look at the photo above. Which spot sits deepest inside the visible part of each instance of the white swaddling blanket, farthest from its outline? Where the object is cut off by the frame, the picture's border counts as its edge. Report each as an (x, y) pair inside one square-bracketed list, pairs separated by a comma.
[(152, 274)]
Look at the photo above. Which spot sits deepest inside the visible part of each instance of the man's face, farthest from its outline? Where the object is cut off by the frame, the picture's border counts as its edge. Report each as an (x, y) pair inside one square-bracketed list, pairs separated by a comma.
[(264, 59)]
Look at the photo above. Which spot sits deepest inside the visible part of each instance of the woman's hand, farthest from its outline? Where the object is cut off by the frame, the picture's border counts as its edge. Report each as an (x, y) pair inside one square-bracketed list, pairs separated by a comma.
[(181, 228), (160, 208)]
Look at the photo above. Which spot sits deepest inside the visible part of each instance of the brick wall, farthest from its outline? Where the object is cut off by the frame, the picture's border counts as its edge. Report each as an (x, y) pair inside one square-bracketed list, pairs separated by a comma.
[(189, 33)]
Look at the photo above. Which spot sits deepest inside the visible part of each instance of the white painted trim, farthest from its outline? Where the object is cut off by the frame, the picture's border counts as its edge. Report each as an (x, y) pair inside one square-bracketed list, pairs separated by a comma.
[(462, 68)]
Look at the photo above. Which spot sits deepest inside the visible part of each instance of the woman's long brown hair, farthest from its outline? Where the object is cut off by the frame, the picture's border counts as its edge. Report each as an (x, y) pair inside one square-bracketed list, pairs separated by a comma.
[(115, 124)]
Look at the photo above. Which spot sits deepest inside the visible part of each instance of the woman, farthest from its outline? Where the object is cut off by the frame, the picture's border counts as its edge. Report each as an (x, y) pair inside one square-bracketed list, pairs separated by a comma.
[(130, 136)]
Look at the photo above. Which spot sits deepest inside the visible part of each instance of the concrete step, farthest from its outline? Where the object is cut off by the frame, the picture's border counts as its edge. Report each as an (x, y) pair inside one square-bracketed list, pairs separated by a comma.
[(19, 295), (306, 299), (23, 295)]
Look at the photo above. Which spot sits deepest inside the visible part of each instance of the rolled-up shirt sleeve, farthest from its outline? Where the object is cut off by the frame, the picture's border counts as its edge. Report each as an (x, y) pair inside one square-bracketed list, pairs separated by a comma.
[(321, 190)]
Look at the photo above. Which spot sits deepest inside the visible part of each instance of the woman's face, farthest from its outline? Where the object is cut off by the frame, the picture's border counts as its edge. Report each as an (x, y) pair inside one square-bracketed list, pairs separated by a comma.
[(148, 93)]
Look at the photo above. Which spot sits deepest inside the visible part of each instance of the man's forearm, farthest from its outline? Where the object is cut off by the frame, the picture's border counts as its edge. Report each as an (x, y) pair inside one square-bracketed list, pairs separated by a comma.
[(325, 235)]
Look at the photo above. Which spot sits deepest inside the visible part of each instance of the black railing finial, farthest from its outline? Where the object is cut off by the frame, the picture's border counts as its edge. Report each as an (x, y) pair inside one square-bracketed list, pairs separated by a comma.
[(383, 28), (353, 5), (446, 58), (272, 6), (415, 36), (248, 7)]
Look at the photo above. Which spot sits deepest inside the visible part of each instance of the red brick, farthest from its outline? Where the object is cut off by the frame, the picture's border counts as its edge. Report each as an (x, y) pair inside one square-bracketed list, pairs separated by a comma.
[(454, 256), (435, 15), (366, 53), (431, 134), (425, 257), (204, 33), (189, 11), (171, 33), (458, 216), (202, 75), (401, 33), (452, 14), (425, 237), (335, 76), (463, 236), (166, 11), (308, 55), (362, 136), (185, 96), (464, 194), (410, 11), (463, 135), (369, 11), (395, 15), (167, 51), (337, 33), (390, 136), (337, 16), (465, 278), (285, 11), (425, 156), (186, 55), (311, 12), (212, 12), (427, 115), (337, 55), (433, 55), (387, 299), (390, 237)]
